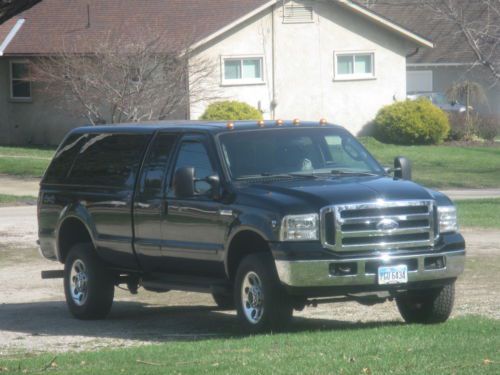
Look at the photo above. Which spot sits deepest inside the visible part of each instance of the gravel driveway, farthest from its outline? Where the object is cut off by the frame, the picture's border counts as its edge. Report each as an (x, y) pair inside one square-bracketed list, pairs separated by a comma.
[(33, 314)]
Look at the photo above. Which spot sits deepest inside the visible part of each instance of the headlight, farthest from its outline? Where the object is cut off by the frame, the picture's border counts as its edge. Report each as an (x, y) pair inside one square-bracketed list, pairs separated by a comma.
[(300, 228), (447, 216)]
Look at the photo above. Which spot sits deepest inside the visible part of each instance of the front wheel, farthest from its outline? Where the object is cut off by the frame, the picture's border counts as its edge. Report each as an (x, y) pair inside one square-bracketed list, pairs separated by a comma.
[(261, 302), (88, 285), (427, 306)]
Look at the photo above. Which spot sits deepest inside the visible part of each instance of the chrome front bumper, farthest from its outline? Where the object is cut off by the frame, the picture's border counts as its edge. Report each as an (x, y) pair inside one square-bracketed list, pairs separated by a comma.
[(317, 273)]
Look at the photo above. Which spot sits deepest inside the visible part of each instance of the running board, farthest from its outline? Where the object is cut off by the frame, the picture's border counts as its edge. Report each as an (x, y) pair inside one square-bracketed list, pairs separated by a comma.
[(54, 274), (164, 283)]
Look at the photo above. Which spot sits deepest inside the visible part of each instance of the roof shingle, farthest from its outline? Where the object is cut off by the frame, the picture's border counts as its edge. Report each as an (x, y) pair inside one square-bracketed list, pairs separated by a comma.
[(52, 24)]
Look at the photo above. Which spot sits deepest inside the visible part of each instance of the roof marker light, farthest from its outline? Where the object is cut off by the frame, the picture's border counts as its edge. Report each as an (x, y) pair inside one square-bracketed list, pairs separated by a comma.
[(279, 122), (261, 123), (230, 125), (323, 122), (296, 121)]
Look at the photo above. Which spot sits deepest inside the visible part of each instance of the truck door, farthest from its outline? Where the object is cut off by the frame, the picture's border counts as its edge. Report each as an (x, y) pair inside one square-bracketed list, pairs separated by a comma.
[(193, 229), (149, 204)]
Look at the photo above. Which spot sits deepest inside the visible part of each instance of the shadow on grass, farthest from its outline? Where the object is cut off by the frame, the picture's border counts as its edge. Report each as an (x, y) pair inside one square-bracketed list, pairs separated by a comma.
[(150, 323)]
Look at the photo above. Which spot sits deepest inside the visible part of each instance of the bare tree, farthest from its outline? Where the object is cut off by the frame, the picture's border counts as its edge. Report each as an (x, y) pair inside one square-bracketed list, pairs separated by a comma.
[(120, 78), (480, 27), (9, 8), (476, 21)]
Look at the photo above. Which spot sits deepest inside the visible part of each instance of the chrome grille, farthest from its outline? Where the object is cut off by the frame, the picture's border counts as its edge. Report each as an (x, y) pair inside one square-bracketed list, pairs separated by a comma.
[(382, 225)]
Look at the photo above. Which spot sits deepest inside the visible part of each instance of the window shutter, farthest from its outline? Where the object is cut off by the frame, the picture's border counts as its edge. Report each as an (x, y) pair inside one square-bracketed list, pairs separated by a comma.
[(297, 12)]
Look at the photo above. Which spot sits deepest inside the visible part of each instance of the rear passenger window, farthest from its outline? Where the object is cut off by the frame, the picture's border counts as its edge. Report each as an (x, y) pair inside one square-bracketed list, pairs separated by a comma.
[(63, 159), (109, 160)]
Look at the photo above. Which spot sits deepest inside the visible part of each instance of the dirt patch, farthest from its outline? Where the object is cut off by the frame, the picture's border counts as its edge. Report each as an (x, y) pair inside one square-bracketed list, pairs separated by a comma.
[(34, 318), (19, 186), (18, 227)]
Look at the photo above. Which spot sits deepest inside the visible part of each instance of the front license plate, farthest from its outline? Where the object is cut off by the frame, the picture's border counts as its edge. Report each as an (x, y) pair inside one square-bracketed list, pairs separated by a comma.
[(393, 274)]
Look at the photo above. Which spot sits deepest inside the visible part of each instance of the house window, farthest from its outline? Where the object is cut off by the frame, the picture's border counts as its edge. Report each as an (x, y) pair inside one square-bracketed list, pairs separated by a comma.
[(20, 85), (297, 12), (354, 65), (246, 70)]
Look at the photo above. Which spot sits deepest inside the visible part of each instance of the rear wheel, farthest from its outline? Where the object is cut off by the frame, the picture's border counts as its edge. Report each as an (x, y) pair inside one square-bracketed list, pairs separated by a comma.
[(261, 301), (88, 285), (427, 306)]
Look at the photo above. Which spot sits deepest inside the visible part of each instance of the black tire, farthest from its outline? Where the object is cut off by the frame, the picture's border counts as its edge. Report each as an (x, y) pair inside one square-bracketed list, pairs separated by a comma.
[(277, 309), (97, 298), (224, 301), (427, 306)]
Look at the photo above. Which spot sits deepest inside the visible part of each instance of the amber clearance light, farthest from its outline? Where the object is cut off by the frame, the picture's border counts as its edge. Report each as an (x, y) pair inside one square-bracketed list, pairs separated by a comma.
[(230, 125), (323, 122), (279, 122), (261, 123), (296, 122)]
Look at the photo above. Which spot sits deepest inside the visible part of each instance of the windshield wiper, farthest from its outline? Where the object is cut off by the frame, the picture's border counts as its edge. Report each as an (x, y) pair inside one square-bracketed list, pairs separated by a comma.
[(351, 173), (277, 175)]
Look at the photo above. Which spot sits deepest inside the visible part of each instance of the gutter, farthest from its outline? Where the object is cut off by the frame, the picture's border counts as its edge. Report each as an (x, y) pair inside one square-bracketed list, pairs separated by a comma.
[(12, 33), (415, 65)]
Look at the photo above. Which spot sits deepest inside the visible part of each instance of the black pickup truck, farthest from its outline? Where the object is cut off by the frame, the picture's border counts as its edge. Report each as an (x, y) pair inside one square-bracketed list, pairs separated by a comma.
[(267, 216)]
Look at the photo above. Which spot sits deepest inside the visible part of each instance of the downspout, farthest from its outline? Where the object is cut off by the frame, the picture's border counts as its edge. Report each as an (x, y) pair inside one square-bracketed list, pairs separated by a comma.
[(411, 54), (273, 65)]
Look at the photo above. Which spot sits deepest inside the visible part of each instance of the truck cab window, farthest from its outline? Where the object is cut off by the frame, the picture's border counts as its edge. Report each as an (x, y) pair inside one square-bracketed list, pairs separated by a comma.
[(194, 154), (155, 164)]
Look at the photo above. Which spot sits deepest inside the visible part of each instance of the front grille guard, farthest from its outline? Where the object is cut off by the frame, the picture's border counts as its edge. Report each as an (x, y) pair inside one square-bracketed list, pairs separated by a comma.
[(419, 231)]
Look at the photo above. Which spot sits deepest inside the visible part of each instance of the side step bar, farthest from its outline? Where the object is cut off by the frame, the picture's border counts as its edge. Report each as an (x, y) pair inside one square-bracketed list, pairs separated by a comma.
[(164, 283), (54, 274)]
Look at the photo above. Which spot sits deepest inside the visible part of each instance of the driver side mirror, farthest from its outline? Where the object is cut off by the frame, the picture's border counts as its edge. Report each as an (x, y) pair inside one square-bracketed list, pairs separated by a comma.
[(402, 168), (214, 182), (184, 182)]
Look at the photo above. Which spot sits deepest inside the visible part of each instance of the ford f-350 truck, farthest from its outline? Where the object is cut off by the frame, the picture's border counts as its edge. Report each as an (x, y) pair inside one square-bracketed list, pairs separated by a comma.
[(268, 216)]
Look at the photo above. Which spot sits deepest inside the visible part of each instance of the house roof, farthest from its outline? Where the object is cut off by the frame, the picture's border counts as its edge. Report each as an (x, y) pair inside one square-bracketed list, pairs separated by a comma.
[(450, 45), (6, 32), (53, 24)]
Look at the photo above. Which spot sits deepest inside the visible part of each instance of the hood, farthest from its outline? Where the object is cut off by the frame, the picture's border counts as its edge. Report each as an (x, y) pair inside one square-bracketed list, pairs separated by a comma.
[(301, 195)]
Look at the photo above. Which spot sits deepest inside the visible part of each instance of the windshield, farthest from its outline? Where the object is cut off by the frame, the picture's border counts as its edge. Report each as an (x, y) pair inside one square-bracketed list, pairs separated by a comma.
[(295, 152)]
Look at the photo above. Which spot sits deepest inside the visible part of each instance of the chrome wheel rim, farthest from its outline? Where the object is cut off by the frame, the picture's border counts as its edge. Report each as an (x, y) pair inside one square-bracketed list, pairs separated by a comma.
[(78, 282), (252, 297)]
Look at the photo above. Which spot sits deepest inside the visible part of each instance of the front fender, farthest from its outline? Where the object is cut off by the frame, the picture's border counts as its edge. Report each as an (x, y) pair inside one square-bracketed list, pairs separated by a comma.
[(265, 227)]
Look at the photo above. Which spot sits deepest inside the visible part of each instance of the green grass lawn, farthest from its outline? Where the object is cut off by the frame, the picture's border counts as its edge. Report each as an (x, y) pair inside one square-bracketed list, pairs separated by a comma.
[(483, 213), (25, 161), (468, 345), (444, 166)]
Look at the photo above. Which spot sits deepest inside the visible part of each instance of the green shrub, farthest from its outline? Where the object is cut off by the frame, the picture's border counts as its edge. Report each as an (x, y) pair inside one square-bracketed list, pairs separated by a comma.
[(231, 110), (411, 122)]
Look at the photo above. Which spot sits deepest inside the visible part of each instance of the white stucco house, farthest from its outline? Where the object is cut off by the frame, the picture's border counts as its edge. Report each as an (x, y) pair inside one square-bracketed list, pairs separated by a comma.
[(306, 59)]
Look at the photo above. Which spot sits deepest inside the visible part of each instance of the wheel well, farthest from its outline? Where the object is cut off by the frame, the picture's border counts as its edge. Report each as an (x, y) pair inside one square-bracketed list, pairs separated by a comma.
[(243, 244), (71, 232)]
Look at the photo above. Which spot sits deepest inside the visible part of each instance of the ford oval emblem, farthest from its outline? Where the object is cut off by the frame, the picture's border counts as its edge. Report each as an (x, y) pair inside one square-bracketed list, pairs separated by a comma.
[(387, 224)]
